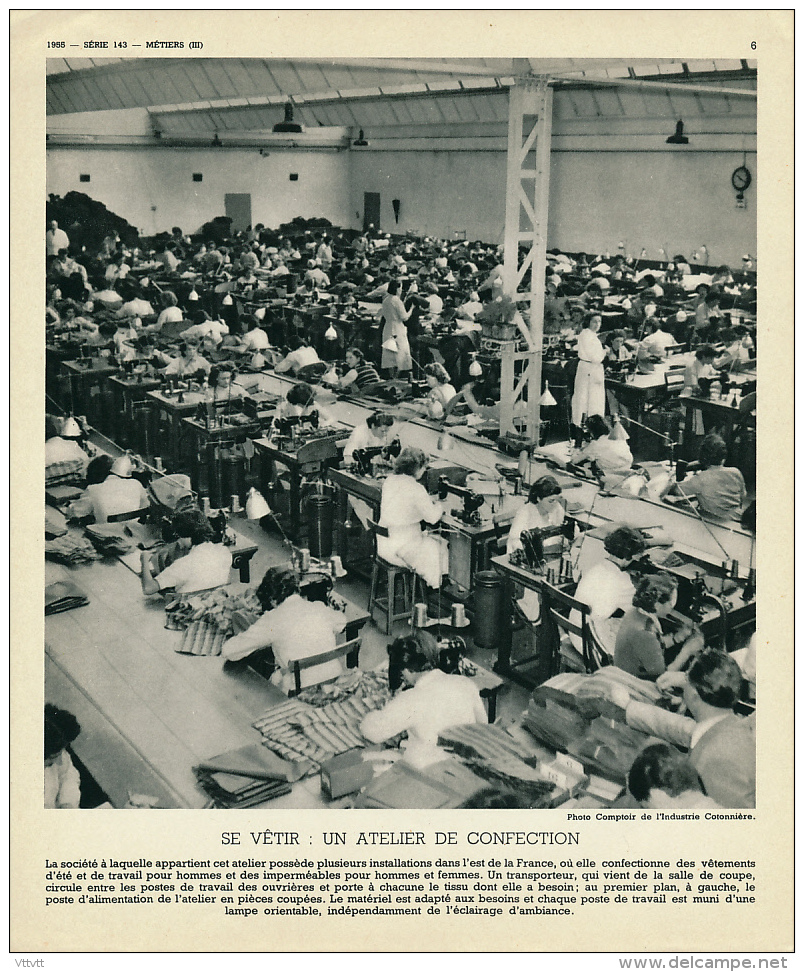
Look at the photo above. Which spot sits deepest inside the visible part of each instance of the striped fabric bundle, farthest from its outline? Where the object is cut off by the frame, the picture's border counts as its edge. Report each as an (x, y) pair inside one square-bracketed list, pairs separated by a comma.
[(492, 754), (294, 729), (202, 638)]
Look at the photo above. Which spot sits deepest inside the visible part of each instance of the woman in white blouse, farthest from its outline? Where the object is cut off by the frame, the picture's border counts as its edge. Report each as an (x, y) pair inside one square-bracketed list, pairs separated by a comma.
[(294, 628), (589, 397), (394, 315), (404, 504), (430, 702)]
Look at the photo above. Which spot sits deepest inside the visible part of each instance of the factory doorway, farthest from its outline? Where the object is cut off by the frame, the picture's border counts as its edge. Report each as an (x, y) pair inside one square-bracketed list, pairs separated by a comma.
[(371, 211), (238, 209)]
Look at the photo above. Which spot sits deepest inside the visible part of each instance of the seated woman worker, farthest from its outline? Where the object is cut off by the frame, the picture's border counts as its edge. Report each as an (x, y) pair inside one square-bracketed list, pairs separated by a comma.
[(292, 627), (204, 565)]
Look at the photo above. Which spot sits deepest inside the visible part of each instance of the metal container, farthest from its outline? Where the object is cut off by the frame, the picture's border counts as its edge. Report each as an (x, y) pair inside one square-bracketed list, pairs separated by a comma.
[(489, 607), (320, 520)]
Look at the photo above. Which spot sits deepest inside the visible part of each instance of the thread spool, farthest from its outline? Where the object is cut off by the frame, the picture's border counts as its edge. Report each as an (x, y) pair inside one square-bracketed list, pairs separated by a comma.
[(419, 615), (205, 504), (304, 559), (235, 506), (158, 464), (458, 616)]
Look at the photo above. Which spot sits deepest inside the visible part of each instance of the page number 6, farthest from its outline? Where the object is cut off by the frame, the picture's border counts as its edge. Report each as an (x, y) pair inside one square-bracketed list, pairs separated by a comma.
[(753, 45)]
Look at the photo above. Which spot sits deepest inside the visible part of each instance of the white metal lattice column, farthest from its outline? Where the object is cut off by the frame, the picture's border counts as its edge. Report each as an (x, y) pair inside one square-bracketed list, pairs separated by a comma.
[(530, 114)]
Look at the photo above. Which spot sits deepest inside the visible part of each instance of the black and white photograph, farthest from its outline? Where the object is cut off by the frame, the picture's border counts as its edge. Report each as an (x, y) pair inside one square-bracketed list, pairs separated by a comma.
[(401, 437), (400, 445)]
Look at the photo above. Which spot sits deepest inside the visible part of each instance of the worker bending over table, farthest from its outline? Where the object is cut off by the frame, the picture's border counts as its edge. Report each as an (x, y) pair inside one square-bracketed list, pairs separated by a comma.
[(201, 563), (293, 628), (427, 702)]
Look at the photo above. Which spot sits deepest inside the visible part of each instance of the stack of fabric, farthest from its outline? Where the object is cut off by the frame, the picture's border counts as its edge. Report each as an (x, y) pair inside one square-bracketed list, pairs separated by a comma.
[(71, 550), (493, 755), (295, 729), (209, 618)]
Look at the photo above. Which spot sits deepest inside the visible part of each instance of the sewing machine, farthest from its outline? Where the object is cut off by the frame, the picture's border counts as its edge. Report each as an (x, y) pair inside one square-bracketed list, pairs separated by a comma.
[(472, 501), (363, 458)]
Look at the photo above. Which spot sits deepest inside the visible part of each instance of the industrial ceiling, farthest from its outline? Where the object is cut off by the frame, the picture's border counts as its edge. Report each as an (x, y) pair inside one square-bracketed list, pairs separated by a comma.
[(193, 95)]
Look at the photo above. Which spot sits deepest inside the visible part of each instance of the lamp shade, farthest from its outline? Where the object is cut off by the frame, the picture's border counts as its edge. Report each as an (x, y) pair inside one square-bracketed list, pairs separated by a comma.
[(547, 397), (227, 301), (256, 505), (258, 361), (391, 345), (331, 377), (70, 429), (618, 433), (144, 282), (192, 295), (475, 368), (123, 467), (331, 334)]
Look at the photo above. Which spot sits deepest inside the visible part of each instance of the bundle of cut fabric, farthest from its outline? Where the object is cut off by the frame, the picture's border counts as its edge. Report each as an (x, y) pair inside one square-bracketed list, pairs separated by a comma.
[(230, 791), (554, 724), (294, 730), (63, 596), (364, 685), (209, 618), (109, 538), (493, 755), (71, 550), (609, 748)]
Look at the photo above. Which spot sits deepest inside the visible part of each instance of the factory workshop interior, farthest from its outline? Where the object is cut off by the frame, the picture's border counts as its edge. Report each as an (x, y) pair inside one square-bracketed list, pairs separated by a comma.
[(400, 433)]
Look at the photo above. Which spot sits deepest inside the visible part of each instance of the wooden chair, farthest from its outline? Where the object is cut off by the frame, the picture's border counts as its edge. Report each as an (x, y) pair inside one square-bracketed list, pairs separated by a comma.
[(393, 572), (559, 607), (350, 650)]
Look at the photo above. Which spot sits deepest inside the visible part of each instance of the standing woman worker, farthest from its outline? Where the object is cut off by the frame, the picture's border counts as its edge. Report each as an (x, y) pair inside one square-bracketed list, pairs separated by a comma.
[(394, 315), (404, 504), (589, 397)]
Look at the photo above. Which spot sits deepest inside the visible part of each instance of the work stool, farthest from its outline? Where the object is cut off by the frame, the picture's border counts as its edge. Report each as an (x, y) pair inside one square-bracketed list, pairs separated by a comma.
[(394, 578)]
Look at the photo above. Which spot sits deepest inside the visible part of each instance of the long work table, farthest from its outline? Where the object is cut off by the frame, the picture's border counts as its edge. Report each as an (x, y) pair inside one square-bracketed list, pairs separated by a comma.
[(149, 713), (707, 540)]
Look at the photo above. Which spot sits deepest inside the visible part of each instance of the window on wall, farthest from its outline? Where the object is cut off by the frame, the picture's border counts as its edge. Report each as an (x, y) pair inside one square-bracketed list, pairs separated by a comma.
[(198, 177), (83, 177)]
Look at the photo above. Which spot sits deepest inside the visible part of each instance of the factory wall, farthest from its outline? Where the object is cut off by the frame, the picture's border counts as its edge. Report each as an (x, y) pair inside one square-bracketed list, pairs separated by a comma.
[(678, 201), (153, 187)]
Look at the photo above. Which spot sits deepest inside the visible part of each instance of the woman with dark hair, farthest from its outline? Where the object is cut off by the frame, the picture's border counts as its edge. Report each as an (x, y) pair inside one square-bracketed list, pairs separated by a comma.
[(204, 565), (662, 778), (300, 402), (430, 702), (589, 396), (606, 449), (118, 491), (292, 627), (404, 504), (360, 372), (62, 780), (607, 588), (544, 508), (393, 315), (640, 644), (371, 434), (719, 489)]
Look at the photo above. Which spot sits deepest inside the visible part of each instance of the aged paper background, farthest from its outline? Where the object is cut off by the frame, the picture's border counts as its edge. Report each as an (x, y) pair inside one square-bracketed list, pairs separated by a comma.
[(37, 834)]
